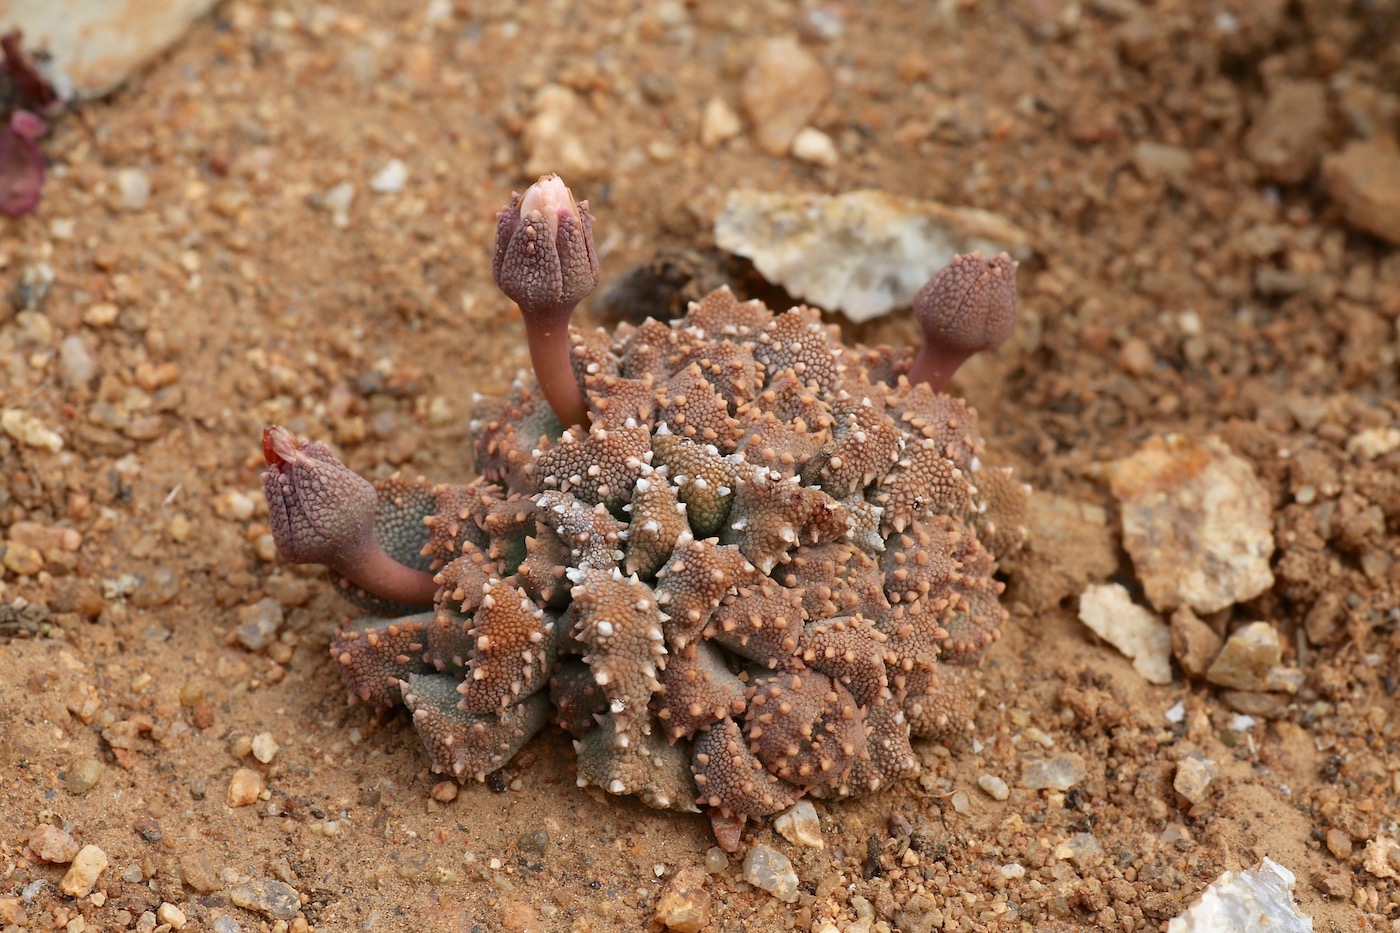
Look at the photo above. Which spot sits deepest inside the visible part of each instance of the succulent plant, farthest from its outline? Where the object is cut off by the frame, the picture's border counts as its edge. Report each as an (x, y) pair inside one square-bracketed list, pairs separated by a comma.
[(751, 569)]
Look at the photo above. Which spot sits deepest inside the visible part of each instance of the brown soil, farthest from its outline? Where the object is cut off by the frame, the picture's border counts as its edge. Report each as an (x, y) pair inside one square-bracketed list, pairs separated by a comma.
[(1197, 298)]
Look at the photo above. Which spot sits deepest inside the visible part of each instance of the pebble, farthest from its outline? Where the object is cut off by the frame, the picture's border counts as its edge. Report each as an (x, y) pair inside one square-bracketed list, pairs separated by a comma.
[(265, 747), (684, 905), (799, 825), (551, 140), (227, 924), (22, 559), (76, 364), (781, 91), (159, 588), (1374, 442), (1286, 139), (863, 253), (1364, 179), (1334, 884), (45, 537), (1194, 643), (1083, 849), (445, 791), (258, 624), (52, 844), (1170, 163), (1197, 523), (1257, 900), (84, 775), (772, 871), (171, 915), (1250, 660), (1339, 844), (994, 786), (1059, 773), (718, 123), (1109, 612), (29, 430), (288, 590), (101, 314), (199, 872), (133, 189), (519, 917), (82, 874), (390, 179), (234, 505), (337, 201), (813, 146), (1194, 775), (535, 842), (275, 899), (244, 787), (1382, 857), (716, 860)]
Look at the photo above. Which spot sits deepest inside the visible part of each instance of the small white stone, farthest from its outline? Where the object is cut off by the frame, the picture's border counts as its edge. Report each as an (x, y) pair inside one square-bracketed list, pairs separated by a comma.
[(1194, 775), (244, 788), (29, 430), (170, 914), (771, 870), (799, 825), (133, 189), (1259, 900), (813, 146), (82, 874), (718, 123), (994, 786), (1382, 857), (1110, 612), (390, 179), (265, 747), (234, 505), (76, 365), (338, 201)]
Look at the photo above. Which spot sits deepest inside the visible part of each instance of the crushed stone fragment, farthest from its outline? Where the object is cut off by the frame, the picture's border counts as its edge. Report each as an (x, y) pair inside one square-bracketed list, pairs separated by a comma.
[(90, 862), (1194, 775), (1382, 857), (1059, 773), (1250, 661), (29, 430), (1197, 523), (275, 899), (1256, 900), (994, 786), (799, 825), (258, 624), (771, 870), (1109, 611), (684, 905), (244, 788), (51, 844)]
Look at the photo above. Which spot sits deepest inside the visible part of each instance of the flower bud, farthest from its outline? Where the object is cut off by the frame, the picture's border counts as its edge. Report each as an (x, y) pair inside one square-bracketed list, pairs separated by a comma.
[(544, 259)]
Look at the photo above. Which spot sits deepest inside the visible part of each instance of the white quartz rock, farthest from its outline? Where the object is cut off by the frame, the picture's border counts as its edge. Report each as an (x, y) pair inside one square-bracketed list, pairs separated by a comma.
[(1257, 900), (863, 253)]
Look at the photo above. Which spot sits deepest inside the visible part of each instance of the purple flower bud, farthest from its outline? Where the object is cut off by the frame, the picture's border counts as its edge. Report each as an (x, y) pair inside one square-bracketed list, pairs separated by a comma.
[(545, 263), (968, 306), (322, 512), (545, 260)]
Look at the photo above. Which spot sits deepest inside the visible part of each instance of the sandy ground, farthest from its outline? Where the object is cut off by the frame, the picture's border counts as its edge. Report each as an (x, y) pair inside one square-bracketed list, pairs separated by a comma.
[(1210, 287)]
